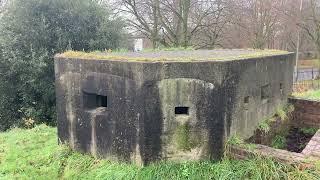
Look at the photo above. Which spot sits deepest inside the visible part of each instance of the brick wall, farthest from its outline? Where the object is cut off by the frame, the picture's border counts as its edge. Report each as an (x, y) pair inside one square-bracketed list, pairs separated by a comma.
[(309, 156), (307, 112)]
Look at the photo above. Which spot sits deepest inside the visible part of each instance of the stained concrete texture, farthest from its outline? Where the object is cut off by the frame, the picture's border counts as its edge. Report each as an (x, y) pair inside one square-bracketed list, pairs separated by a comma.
[(166, 110)]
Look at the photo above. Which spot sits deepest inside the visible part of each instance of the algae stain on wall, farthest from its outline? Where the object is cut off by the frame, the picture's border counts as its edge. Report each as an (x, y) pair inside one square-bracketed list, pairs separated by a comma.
[(69, 80), (182, 137), (185, 139)]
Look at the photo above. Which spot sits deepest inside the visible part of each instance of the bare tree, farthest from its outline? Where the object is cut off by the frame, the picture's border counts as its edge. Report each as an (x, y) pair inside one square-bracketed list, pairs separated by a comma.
[(209, 33), (225, 23), (310, 22), (174, 17), (2, 5), (259, 19), (143, 17), (178, 22)]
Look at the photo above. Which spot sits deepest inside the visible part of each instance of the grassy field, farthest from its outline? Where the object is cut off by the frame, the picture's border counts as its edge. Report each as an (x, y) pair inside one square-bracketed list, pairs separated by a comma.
[(34, 154), (313, 95)]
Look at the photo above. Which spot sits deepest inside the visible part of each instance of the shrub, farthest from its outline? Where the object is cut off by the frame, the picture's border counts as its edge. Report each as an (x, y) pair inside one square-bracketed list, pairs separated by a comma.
[(31, 32)]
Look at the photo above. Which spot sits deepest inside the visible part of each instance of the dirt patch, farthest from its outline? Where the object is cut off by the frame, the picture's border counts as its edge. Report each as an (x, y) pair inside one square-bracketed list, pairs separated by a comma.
[(297, 140)]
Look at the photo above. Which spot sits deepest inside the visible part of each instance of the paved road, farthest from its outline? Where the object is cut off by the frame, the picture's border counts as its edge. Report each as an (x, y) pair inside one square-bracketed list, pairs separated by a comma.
[(307, 74)]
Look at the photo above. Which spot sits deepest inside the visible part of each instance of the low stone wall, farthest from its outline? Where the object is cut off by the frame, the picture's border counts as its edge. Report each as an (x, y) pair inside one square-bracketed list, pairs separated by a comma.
[(307, 112), (308, 157)]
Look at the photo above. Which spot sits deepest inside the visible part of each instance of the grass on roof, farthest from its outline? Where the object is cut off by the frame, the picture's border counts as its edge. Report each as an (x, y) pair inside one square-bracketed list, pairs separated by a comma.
[(121, 55)]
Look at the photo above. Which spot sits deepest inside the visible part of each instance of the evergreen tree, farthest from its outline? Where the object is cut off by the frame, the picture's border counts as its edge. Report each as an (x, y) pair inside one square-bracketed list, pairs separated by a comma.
[(31, 33)]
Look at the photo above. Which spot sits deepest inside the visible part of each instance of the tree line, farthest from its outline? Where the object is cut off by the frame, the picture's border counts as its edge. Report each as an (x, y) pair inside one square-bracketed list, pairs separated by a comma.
[(226, 23)]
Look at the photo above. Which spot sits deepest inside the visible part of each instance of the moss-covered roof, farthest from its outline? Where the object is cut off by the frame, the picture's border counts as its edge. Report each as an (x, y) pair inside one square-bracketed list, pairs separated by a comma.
[(190, 55)]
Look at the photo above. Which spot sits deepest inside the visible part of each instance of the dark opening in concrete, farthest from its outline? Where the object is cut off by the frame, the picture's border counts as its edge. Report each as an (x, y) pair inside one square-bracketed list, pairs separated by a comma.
[(265, 92), (181, 111), (281, 88), (102, 101), (92, 101), (246, 100)]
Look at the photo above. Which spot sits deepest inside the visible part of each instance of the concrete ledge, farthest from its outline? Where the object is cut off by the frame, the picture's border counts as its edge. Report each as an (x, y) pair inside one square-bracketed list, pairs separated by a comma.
[(313, 147), (265, 151)]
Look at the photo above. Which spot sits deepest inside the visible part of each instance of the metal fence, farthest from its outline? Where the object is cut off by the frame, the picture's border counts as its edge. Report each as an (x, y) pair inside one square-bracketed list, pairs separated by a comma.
[(306, 79)]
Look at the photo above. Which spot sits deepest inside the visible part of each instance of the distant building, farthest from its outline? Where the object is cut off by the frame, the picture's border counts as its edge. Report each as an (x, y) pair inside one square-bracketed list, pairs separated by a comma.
[(138, 45)]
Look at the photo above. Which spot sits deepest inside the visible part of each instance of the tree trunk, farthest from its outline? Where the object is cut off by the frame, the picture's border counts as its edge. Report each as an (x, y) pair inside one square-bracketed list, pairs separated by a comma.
[(155, 32), (185, 16)]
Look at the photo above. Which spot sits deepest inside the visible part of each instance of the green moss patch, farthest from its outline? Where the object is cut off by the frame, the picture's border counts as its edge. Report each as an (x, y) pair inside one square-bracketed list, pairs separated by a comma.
[(183, 138)]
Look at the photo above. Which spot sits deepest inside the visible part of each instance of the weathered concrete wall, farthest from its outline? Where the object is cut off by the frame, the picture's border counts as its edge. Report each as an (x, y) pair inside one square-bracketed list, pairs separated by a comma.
[(144, 112), (307, 112)]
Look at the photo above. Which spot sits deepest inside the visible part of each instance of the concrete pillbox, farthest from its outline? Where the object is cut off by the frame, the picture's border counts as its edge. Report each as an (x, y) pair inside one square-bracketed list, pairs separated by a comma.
[(144, 107)]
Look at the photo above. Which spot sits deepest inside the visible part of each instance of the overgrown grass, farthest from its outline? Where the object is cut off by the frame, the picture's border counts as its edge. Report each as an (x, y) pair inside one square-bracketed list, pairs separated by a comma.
[(282, 112), (279, 142), (264, 126), (34, 154), (310, 131), (312, 95)]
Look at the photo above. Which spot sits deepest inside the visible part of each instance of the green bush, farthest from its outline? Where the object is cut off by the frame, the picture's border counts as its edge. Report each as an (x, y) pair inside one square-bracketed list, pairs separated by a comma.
[(31, 33)]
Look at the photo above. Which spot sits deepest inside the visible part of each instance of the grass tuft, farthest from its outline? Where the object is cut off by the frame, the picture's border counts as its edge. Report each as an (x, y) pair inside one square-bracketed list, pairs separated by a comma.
[(279, 142), (264, 126), (310, 131)]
